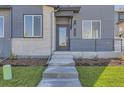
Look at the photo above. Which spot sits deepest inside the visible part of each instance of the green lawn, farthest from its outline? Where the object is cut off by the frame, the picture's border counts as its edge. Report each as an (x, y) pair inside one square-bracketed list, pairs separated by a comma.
[(23, 77), (108, 76)]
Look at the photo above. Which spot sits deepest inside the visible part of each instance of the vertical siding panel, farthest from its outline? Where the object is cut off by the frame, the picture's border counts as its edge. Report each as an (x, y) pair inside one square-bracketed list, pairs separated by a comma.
[(5, 43)]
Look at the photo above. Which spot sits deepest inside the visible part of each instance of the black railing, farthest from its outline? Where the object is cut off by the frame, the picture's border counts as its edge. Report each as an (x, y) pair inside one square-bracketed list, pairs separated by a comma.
[(119, 46), (97, 44)]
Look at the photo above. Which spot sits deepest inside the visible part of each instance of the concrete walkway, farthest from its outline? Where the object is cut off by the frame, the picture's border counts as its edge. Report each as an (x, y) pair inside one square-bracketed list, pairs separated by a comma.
[(61, 72)]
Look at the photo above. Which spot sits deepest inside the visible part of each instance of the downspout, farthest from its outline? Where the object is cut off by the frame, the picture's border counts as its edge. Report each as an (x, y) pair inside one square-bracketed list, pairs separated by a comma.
[(11, 29)]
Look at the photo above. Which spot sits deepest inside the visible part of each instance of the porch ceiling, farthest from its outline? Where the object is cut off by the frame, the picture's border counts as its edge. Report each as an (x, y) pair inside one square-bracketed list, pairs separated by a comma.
[(74, 9), (64, 13), (67, 11)]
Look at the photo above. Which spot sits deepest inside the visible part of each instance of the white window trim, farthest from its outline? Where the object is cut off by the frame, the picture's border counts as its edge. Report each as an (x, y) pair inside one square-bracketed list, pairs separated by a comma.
[(91, 28), (3, 27), (41, 32)]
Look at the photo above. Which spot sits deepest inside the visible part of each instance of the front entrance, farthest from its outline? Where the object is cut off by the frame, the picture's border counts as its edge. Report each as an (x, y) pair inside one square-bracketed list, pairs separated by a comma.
[(62, 37)]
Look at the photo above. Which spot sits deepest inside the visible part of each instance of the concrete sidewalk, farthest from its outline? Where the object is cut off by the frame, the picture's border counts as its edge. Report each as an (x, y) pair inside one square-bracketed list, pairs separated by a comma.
[(61, 72)]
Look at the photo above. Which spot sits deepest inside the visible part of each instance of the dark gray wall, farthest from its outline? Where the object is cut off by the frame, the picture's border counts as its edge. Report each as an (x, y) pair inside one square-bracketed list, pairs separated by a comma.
[(5, 43), (18, 12), (105, 13)]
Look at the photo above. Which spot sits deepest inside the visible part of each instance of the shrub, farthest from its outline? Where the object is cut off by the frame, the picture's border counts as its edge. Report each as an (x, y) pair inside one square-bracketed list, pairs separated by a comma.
[(12, 57)]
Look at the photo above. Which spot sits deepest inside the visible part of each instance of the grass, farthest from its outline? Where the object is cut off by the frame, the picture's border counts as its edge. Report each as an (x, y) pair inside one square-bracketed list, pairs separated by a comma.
[(23, 77), (105, 76)]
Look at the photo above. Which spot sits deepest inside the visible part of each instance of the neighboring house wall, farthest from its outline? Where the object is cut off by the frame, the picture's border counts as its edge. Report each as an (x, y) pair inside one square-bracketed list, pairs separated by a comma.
[(93, 12), (32, 46), (5, 42), (121, 29)]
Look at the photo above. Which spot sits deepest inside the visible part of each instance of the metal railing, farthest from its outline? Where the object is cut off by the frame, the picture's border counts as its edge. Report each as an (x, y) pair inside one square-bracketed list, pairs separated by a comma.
[(97, 44), (119, 45)]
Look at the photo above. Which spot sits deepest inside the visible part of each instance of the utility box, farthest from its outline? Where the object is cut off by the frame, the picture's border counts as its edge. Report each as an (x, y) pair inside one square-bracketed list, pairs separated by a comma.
[(7, 72)]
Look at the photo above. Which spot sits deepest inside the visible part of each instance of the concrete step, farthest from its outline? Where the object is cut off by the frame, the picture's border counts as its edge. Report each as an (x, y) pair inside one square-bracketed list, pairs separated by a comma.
[(59, 83), (62, 56), (61, 62), (62, 53), (60, 72)]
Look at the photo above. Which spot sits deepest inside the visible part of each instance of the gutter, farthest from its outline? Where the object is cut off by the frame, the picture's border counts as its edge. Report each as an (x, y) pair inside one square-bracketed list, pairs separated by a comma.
[(5, 6)]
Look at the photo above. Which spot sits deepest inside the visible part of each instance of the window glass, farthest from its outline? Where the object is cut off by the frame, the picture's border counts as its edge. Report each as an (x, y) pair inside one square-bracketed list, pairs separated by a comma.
[(28, 26), (1, 27), (62, 36), (37, 26), (87, 29), (95, 29), (91, 29), (33, 26), (121, 16)]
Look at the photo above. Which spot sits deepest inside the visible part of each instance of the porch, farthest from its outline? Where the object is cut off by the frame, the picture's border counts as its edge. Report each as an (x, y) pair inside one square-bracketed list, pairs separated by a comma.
[(110, 48), (75, 33)]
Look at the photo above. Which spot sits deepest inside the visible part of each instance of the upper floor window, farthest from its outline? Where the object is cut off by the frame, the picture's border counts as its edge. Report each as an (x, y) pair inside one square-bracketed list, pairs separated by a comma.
[(121, 16), (1, 26), (91, 29), (33, 26)]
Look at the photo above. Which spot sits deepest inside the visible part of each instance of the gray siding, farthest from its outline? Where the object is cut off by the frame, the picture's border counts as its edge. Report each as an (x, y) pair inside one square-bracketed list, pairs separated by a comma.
[(82, 45), (5, 43), (94, 12), (104, 45), (18, 13)]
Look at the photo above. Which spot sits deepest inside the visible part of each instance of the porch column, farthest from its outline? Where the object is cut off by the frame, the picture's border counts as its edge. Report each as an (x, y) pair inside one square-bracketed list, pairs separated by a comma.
[(53, 22)]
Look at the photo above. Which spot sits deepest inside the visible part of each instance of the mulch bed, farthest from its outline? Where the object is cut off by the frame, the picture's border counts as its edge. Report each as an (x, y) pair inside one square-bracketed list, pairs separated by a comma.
[(99, 62), (79, 62), (26, 62)]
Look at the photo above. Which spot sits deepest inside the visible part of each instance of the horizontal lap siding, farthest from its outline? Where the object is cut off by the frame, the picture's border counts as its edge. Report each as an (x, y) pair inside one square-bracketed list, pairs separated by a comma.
[(31, 47)]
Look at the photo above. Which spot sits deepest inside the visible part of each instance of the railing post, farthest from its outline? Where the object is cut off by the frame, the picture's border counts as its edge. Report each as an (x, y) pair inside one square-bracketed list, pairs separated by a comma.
[(114, 44), (95, 45), (121, 45)]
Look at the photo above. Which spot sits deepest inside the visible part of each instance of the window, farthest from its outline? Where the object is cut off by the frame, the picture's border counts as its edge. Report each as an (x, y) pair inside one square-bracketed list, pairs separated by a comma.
[(32, 25), (91, 29), (121, 16), (1, 26)]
